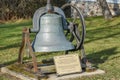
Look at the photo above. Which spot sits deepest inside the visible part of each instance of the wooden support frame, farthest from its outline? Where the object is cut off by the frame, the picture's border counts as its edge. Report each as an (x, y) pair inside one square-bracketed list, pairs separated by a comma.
[(26, 43)]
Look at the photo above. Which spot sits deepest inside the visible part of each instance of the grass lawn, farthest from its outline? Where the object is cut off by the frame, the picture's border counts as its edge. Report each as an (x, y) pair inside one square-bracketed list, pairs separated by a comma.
[(102, 46)]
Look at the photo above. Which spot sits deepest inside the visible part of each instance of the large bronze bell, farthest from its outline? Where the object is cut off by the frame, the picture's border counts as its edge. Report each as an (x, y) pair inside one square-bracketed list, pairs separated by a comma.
[(51, 35)]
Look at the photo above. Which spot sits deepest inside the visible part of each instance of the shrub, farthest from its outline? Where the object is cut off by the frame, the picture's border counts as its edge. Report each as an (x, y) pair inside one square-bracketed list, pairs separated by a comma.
[(16, 9)]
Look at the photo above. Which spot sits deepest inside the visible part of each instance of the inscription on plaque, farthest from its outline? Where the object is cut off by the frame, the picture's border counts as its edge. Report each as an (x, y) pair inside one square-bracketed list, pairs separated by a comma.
[(67, 64)]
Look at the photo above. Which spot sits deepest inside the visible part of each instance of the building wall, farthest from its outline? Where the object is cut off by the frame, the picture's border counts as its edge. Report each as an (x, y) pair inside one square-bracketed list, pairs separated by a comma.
[(91, 8)]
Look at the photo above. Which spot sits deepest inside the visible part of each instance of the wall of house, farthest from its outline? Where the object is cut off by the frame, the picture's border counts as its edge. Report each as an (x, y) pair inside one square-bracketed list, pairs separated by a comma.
[(91, 8)]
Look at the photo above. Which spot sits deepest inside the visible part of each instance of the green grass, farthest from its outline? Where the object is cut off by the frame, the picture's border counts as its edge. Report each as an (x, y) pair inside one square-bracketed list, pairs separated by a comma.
[(102, 45)]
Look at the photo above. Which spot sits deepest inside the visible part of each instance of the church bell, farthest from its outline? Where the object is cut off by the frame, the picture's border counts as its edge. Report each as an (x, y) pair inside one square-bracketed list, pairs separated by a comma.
[(49, 24), (50, 36)]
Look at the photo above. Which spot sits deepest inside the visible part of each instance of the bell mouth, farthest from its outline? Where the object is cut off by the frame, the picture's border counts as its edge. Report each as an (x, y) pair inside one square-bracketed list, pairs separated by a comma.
[(50, 48)]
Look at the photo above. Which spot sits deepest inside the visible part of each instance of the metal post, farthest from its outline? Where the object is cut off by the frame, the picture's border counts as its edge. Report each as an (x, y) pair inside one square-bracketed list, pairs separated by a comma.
[(49, 7), (48, 1)]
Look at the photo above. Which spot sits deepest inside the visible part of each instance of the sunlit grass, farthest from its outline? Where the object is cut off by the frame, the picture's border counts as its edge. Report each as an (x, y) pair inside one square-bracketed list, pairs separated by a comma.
[(102, 45)]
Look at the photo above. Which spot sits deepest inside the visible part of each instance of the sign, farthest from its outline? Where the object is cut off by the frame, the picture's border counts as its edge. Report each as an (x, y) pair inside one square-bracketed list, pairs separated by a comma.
[(67, 64)]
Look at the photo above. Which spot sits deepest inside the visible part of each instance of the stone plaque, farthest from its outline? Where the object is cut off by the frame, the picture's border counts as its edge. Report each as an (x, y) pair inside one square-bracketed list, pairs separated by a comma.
[(67, 64)]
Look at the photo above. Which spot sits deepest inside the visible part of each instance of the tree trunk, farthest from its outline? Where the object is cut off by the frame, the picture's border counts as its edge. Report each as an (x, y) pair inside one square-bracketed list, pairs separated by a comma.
[(105, 9)]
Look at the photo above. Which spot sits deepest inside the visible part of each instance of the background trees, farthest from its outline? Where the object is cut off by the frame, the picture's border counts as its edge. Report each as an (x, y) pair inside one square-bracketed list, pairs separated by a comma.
[(15, 9), (105, 9)]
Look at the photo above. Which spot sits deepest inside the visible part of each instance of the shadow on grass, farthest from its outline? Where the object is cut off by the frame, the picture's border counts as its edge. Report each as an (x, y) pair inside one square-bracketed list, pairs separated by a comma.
[(9, 26), (14, 35), (7, 63), (95, 58), (91, 33), (98, 38), (102, 56), (10, 46)]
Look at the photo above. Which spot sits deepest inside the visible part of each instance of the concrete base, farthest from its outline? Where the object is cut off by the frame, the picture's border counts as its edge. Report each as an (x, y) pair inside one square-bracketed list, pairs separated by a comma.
[(16, 74), (72, 76), (51, 76)]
